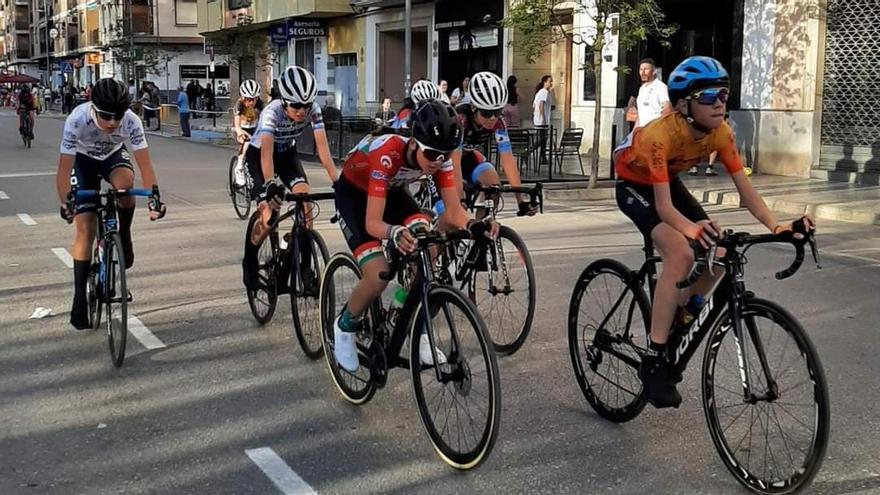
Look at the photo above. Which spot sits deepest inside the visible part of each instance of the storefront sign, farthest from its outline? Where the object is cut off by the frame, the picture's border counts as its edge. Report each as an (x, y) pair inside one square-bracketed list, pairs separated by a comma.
[(278, 34), (298, 28), (94, 58), (193, 72), (450, 24)]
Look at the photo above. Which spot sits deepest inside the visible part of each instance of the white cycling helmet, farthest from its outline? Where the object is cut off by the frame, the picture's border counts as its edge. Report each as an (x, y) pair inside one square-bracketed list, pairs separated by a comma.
[(424, 90), (250, 89), (488, 91), (297, 85)]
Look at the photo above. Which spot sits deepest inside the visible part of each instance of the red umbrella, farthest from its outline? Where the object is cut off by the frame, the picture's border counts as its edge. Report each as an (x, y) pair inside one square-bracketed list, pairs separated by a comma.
[(17, 79)]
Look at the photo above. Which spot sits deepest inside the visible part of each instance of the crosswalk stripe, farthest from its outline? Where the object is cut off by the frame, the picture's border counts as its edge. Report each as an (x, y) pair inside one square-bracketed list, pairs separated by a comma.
[(64, 256), (144, 335), (26, 219), (3, 195), (279, 472)]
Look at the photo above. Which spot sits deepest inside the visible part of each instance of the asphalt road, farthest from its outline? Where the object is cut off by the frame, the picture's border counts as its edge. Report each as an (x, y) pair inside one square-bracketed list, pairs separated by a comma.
[(180, 418)]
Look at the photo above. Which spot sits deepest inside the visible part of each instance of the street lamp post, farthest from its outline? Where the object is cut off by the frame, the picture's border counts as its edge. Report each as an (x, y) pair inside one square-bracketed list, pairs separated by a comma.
[(48, 63), (407, 50)]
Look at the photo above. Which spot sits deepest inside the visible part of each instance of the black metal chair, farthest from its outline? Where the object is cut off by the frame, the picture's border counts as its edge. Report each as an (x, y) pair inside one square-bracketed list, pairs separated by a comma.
[(521, 144), (569, 145)]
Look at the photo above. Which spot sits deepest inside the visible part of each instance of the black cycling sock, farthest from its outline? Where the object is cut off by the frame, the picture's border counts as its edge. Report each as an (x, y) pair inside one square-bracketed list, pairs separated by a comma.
[(80, 279), (305, 252), (658, 348), (126, 216)]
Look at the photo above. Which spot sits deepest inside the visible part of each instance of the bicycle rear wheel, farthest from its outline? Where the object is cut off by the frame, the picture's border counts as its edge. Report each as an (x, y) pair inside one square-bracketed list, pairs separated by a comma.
[(337, 283), (775, 441), (240, 194), (264, 298), (606, 359), (505, 293), (115, 299), (304, 295), (460, 409)]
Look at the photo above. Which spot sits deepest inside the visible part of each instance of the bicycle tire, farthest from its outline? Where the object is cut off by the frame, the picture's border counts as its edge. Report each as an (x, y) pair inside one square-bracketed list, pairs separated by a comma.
[(506, 344), (115, 293), (306, 308), (603, 357), (93, 294), (803, 470), (360, 386), (240, 195), (461, 374), (263, 308)]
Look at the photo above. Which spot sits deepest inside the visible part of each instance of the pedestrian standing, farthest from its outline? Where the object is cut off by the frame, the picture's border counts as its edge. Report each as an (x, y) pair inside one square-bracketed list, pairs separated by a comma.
[(510, 114), (183, 110), (156, 103), (443, 86), (209, 98), (274, 93), (541, 107), (653, 100), (145, 101)]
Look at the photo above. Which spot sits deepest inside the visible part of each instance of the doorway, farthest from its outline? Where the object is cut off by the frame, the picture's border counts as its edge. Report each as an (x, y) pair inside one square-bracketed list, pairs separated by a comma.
[(391, 56)]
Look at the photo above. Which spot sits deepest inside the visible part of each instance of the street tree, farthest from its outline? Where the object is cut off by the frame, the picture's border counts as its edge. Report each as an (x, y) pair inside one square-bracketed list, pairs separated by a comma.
[(538, 24)]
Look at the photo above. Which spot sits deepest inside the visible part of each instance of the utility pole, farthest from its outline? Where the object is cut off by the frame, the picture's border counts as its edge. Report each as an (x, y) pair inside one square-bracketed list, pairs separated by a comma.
[(48, 63), (407, 49), (133, 73)]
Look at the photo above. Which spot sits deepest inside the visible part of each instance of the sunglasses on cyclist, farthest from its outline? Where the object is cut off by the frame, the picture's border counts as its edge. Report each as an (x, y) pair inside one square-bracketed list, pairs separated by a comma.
[(489, 114), (431, 154), (708, 96), (299, 106), (108, 116)]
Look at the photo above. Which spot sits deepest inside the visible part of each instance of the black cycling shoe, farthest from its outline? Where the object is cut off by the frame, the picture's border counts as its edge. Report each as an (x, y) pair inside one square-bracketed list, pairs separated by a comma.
[(659, 386), (79, 315)]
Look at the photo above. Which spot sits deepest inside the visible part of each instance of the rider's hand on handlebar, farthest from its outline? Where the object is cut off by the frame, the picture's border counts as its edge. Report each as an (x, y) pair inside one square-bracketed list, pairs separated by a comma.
[(155, 205), (273, 193), (241, 137), (801, 226), (526, 208), (708, 233), (402, 239), (486, 227)]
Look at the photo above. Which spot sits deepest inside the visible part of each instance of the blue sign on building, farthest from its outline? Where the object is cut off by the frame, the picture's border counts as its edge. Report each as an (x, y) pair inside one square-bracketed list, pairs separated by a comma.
[(66, 67), (278, 34)]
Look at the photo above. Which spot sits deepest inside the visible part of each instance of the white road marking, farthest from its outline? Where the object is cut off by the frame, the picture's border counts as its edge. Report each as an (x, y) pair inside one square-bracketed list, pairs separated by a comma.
[(3, 195), (26, 174), (64, 256), (26, 219), (279, 472), (140, 332)]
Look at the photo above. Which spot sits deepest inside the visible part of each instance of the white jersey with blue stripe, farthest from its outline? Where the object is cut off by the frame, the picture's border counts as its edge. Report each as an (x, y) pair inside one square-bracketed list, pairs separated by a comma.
[(82, 135), (274, 120)]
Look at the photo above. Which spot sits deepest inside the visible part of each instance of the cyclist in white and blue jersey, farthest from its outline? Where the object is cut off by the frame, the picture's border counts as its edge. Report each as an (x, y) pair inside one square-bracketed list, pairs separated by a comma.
[(273, 161)]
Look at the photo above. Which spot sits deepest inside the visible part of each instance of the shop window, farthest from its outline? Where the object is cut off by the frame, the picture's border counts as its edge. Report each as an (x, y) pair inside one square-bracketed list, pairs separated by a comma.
[(185, 13), (589, 74), (304, 54)]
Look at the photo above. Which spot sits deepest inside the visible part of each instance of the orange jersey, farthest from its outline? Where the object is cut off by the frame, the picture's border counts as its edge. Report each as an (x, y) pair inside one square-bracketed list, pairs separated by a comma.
[(665, 147)]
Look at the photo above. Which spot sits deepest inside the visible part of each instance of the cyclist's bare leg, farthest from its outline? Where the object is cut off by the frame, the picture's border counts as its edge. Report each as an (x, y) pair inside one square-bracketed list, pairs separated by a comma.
[(678, 259), (84, 228), (370, 286), (123, 178), (261, 227)]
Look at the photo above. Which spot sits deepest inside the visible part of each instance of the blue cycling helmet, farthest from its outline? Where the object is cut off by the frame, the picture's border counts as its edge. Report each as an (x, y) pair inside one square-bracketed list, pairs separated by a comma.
[(694, 74)]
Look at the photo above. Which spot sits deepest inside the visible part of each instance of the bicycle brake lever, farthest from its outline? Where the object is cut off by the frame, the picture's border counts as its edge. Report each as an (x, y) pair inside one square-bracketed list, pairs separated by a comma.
[(814, 250), (710, 259)]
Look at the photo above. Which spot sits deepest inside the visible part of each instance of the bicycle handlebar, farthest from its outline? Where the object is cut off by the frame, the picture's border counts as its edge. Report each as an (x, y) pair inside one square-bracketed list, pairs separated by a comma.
[(731, 241), (86, 194), (536, 192), (424, 240), (311, 197)]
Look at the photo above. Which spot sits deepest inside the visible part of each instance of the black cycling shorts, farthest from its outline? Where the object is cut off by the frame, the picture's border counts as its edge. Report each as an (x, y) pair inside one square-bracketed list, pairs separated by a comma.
[(288, 168), (637, 202), (473, 164), (351, 203), (87, 173)]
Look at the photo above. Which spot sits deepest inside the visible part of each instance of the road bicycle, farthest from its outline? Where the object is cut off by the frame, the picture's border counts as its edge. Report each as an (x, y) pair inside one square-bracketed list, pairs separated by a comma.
[(458, 399), (107, 292), (760, 370), (26, 129), (285, 269), (498, 276), (240, 190)]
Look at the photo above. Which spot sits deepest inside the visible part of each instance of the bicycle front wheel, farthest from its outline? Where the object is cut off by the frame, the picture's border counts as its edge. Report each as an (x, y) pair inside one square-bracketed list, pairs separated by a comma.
[(606, 357), (459, 397), (94, 291), (115, 298), (505, 291), (240, 193), (774, 440), (304, 288), (264, 297)]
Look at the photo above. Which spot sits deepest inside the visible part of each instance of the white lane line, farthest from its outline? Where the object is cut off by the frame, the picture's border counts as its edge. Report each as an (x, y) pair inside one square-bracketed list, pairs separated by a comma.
[(140, 332), (3, 195), (279, 472), (26, 174), (64, 256), (26, 219)]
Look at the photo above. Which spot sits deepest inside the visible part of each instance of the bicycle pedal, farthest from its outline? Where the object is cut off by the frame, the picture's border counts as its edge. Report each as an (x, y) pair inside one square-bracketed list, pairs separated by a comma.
[(129, 298)]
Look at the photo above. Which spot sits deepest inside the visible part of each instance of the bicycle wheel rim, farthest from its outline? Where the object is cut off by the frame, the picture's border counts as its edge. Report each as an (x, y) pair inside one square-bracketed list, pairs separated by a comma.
[(337, 283), (241, 199), (471, 375), (92, 294), (116, 296), (803, 401), (264, 298), (610, 385), (305, 305), (505, 296)]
